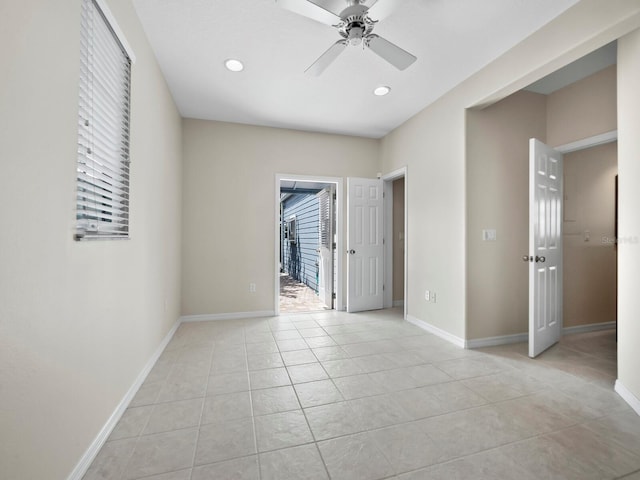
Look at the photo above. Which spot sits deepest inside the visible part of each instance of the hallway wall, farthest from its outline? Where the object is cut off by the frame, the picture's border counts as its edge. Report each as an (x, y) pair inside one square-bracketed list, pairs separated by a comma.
[(497, 198), (398, 239), (589, 267), (583, 109)]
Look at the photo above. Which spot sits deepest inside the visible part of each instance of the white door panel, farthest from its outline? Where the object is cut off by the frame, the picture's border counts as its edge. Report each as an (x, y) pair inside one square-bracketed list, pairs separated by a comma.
[(364, 244), (545, 246)]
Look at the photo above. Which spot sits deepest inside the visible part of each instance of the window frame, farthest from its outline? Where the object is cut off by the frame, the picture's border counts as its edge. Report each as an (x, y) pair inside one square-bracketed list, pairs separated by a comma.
[(103, 179)]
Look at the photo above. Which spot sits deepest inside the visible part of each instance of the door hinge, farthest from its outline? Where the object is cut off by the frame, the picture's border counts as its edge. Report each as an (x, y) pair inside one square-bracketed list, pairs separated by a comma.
[(383, 241), (333, 295), (335, 196), (383, 288)]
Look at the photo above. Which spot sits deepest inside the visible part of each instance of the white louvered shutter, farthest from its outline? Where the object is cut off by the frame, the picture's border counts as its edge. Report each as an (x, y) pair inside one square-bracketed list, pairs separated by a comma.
[(103, 130), (324, 200)]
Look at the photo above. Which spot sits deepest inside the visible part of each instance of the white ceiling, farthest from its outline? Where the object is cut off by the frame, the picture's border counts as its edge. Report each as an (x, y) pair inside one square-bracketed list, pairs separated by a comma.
[(451, 38)]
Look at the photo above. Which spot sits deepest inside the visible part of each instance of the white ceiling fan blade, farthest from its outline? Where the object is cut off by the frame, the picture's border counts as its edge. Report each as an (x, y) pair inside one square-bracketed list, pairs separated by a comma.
[(383, 8), (333, 6), (310, 10), (393, 54), (327, 58)]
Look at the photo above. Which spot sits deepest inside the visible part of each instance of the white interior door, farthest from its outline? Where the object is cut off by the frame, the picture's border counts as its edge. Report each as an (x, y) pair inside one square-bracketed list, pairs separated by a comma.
[(325, 246), (364, 244), (545, 246)]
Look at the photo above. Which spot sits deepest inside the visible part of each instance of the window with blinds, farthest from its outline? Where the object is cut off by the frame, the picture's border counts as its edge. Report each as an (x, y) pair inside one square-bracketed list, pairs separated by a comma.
[(102, 202)]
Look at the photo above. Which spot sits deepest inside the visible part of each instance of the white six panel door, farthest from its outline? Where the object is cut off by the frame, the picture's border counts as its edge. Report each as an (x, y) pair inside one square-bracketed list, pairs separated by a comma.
[(545, 246), (365, 249)]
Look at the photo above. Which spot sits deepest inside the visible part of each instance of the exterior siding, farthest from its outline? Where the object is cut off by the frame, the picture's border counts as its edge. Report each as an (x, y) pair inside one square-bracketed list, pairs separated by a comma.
[(301, 258)]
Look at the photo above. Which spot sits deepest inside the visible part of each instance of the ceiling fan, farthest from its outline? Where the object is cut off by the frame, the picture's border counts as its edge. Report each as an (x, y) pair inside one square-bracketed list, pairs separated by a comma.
[(355, 24)]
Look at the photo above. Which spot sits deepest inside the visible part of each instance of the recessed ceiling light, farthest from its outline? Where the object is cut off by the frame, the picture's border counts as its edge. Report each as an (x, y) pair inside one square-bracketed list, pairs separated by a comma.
[(234, 65), (382, 91)]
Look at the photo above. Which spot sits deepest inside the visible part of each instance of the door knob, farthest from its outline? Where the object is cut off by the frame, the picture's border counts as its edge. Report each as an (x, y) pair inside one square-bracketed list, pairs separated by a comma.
[(540, 259), (527, 258), (351, 252)]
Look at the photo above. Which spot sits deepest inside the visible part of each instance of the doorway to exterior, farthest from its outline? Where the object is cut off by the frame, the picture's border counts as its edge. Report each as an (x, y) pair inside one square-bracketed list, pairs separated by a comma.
[(307, 266)]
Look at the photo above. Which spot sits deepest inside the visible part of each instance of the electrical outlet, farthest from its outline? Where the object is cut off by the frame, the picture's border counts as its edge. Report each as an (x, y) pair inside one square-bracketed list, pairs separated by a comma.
[(252, 288), (427, 295), (433, 297)]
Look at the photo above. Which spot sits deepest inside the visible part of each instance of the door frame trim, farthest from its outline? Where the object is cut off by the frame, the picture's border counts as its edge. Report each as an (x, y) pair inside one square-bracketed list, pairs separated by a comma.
[(387, 184), (339, 183), (589, 142)]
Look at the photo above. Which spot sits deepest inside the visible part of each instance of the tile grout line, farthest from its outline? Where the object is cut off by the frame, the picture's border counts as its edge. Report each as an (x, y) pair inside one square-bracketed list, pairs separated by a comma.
[(315, 441), (204, 402), (253, 416)]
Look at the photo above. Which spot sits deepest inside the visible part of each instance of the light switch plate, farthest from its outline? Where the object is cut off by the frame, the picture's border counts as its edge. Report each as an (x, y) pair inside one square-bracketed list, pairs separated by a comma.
[(489, 235)]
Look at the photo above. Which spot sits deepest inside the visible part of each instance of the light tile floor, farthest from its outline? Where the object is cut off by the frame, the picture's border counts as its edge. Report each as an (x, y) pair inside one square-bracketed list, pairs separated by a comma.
[(369, 396)]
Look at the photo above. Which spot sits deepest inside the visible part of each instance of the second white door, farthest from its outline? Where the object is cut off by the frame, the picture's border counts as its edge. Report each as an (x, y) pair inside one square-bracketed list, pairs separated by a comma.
[(545, 246), (365, 268)]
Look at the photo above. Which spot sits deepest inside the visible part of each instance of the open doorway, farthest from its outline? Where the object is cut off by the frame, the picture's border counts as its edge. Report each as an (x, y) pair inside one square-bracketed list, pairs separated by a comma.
[(587, 283), (562, 114), (572, 256), (307, 233), (589, 237), (395, 195)]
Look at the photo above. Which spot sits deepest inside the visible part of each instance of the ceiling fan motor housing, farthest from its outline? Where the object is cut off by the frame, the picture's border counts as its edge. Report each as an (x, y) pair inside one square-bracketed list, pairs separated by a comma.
[(355, 27), (355, 24)]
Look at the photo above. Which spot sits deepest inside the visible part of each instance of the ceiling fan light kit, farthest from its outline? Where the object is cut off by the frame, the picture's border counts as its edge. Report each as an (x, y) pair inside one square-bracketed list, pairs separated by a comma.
[(355, 24)]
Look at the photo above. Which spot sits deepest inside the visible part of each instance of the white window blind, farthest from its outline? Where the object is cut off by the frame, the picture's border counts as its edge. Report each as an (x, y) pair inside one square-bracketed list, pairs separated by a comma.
[(102, 204)]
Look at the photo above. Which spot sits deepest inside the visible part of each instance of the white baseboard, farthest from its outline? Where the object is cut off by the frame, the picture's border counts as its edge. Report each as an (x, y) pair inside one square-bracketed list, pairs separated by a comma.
[(593, 327), (524, 337), (494, 341), (457, 341), (398, 303), (227, 316), (627, 396), (88, 457), (502, 339)]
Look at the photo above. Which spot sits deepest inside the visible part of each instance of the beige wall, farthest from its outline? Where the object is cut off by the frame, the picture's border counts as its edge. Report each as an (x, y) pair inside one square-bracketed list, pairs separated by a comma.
[(432, 145), (398, 239), (229, 211), (582, 109), (498, 198), (589, 229), (78, 320), (628, 217)]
